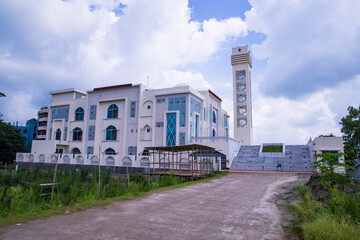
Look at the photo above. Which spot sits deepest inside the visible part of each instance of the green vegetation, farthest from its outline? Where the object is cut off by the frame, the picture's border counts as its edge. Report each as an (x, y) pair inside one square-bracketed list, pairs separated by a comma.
[(351, 133), (338, 219), (327, 135), (272, 148), (22, 197), (11, 142), (326, 163), (330, 203)]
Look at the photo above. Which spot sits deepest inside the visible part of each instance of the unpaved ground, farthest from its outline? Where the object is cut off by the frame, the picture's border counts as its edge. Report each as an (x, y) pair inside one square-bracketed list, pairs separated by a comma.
[(238, 206)]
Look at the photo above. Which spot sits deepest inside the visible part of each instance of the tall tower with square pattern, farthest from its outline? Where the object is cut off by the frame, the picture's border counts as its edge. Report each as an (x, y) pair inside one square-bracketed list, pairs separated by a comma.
[(241, 64)]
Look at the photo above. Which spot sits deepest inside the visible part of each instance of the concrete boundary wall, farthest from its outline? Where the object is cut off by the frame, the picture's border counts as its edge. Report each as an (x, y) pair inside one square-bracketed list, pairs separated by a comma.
[(77, 167), (83, 159)]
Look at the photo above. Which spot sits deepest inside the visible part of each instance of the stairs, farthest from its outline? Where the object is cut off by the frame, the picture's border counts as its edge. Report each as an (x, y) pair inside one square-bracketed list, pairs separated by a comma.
[(297, 159)]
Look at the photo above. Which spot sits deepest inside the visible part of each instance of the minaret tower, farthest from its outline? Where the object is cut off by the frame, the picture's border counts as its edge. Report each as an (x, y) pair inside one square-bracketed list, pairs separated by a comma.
[(241, 65)]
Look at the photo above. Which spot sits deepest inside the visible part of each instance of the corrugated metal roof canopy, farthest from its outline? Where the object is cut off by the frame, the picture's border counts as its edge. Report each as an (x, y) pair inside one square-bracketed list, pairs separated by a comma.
[(191, 147)]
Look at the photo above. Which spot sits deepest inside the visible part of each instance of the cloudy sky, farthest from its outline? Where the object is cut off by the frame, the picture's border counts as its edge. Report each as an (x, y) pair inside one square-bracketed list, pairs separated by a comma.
[(306, 54)]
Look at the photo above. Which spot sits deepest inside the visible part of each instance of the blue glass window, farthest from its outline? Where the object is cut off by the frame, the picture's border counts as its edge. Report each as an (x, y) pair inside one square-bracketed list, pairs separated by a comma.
[(178, 103), (181, 138), (132, 109), (111, 133), (225, 121), (214, 117), (65, 133), (77, 134), (110, 151), (92, 115), (171, 129), (58, 134), (196, 125), (79, 114), (91, 133), (112, 111)]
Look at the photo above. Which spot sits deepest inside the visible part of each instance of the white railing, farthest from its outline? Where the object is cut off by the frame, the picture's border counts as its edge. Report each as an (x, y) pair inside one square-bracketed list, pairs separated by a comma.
[(214, 139), (43, 119), (84, 159), (41, 136), (231, 148), (42, 127)]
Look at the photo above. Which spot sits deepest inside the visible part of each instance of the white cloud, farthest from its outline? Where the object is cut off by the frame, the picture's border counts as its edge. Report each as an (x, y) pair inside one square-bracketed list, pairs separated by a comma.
[(345, 95), (294, 121), (49, 45), (310, 45), (172, 78), (18, 107)]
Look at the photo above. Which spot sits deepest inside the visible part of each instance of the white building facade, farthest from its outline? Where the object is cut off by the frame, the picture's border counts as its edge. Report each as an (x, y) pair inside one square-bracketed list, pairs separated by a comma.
[(329, 145), (115, 124)]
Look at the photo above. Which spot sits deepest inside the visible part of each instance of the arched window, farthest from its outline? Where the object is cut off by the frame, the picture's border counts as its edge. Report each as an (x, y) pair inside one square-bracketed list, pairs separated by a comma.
[(112, 111), (79, 114), (58, 134), (214, 117), (147, 128), (111, 133), (77, 134), (75, 151), (214, 133), (110, 151)]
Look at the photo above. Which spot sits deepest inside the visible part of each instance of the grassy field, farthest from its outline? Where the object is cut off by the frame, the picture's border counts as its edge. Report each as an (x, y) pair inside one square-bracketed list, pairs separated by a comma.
[(23, 198), (272, 148)]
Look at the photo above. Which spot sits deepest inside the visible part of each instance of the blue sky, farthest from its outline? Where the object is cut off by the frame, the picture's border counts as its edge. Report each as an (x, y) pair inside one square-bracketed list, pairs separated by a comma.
[(306, 55)]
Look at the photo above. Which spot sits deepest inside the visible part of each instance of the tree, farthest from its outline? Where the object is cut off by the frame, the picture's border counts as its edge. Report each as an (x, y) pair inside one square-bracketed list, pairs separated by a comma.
[(11, 142), (326, 163), (2, 95), (351, 133), (327, 135)]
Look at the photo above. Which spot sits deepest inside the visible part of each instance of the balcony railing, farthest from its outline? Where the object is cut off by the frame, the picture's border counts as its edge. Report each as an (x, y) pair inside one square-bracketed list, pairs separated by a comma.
[(214, 139), (41, 136), (42, 127), (43, 119)]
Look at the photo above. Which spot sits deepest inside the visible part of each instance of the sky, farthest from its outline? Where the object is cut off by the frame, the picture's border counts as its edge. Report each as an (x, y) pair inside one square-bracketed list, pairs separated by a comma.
[(306, 55)]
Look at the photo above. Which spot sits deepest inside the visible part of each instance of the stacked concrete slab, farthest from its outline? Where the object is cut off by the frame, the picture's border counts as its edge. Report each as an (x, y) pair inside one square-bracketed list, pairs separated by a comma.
[(297, 158)]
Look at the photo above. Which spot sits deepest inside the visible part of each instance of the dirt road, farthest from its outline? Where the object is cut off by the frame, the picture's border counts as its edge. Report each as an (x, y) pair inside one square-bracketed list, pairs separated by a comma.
[(238, 206)]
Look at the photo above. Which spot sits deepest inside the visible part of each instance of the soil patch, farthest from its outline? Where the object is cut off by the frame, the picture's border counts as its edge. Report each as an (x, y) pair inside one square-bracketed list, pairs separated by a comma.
[(320, 189), (285, 198)]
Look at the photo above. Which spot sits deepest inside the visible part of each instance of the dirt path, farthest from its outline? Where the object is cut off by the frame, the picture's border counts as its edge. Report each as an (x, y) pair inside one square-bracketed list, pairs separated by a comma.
[(238, 206)]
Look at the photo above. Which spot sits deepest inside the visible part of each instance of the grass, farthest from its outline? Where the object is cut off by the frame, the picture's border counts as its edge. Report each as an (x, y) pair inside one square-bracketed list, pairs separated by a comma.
[(328, 227), (80, 192), (272, 148), (8, 166), (316, 220)]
